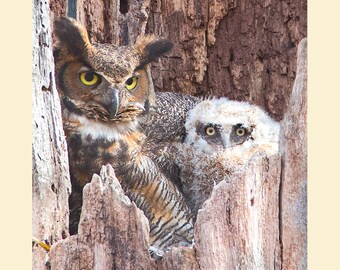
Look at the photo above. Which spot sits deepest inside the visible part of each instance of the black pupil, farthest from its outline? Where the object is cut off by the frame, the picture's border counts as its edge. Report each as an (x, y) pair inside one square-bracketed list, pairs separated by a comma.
[(89, 76), (129, 81), (210, 130)]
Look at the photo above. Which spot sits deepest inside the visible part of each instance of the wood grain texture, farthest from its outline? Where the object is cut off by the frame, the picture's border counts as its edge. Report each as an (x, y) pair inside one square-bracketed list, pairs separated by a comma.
[(238, 227), (239, 49), (293, 147), (50, 177), (113, 232)]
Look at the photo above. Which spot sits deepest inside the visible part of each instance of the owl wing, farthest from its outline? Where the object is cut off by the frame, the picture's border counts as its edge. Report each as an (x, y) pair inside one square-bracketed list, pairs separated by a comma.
[(157, 196), (164, 130)]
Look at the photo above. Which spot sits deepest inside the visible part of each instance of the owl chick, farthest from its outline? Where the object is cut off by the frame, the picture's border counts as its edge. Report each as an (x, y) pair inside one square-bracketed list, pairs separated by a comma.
[(104, 91), (222, 135)]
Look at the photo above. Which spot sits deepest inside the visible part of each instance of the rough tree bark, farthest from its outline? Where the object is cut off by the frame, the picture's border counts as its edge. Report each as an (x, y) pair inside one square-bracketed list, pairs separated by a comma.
[(293, 146), (238, 228), (113, 232), (244, 50), (50, 177), (239, 49)]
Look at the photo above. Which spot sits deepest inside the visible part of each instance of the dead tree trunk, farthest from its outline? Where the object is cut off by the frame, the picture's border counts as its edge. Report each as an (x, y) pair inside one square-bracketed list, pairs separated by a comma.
[(294, 171), (241, 50), (50, 177), (244, 50), (239, 226), (113, 232)]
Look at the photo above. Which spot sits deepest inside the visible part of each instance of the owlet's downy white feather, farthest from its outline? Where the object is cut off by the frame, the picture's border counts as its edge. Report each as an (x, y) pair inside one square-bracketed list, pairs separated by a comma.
[(222, 136)]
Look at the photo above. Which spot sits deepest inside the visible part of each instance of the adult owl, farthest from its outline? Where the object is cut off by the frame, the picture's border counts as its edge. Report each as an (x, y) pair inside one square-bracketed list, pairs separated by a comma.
[(221, 137), (164, 130), (104, 92)]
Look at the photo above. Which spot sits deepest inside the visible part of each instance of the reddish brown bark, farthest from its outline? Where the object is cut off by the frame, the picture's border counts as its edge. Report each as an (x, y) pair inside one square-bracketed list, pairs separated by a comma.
[(239, 49)]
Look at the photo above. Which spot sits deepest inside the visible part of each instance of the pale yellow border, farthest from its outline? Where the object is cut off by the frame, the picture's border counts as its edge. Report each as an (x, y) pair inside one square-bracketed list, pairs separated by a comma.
[(15, 151), (323, 141)]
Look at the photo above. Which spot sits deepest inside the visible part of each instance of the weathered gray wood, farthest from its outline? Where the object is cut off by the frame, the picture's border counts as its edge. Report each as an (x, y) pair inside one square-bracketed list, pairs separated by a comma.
[(293, 147), (238, 227), (113, 232), (50, 178), (179, 258)]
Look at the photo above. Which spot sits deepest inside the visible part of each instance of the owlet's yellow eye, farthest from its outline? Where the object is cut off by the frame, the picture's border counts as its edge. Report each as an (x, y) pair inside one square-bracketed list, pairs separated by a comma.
[(88, 78), (240, 132), (131, 83), (210, 131)]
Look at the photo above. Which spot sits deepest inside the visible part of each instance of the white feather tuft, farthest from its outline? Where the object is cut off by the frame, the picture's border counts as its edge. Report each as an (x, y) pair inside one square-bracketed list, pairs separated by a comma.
[(204, 163), (99, 130)]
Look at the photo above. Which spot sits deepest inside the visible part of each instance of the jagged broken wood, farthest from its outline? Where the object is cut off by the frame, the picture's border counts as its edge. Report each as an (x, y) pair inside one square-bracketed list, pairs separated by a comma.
[(237, 228), (113, 233)]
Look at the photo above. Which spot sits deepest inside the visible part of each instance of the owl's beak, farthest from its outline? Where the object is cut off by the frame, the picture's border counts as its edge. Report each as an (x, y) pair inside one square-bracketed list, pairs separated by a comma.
[(225, 141), (113, 107)]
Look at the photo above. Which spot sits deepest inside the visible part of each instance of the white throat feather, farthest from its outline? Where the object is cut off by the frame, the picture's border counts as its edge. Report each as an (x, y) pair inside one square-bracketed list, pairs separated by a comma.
[(98, 130)]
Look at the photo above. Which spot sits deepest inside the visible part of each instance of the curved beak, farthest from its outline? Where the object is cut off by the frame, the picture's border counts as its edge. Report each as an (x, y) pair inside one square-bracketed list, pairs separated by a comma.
[(225, 141), (114, 103)]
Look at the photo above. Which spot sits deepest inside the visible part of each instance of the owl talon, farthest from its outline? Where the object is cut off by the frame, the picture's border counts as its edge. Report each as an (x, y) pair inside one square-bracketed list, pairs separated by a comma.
[(156, 253)]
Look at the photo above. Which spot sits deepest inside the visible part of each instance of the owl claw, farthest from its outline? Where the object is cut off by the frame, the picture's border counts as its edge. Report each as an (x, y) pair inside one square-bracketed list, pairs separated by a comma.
[(156, 253)]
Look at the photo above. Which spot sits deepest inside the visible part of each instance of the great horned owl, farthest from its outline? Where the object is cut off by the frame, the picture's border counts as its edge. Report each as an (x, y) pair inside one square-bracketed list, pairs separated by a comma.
[(104, 91), (222, 135), (164, 129)]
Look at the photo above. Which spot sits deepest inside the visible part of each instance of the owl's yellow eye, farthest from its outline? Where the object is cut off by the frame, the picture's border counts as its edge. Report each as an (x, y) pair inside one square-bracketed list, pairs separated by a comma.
[(131, 83), (240, 132), (88, 78), (210, 131)]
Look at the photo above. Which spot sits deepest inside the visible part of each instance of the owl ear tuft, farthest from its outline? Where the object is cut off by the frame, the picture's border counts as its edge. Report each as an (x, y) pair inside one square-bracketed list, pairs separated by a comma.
[(151, 48), (73, 34)]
